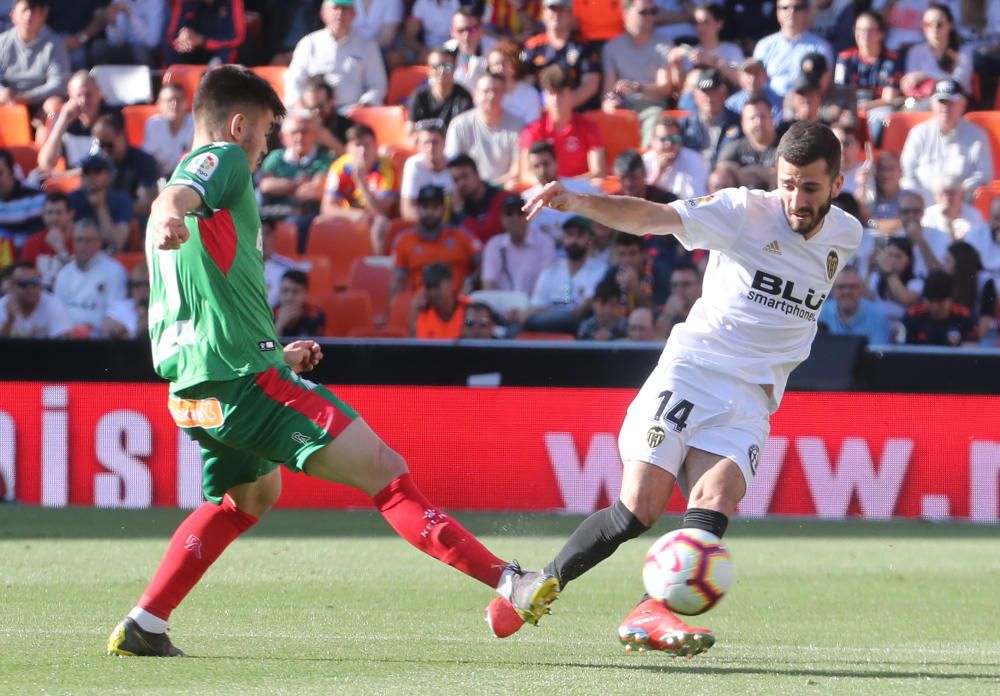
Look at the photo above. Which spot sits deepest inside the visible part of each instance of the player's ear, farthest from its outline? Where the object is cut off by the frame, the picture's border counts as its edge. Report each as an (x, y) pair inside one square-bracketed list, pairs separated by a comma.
[(838, 184), (237, 126)]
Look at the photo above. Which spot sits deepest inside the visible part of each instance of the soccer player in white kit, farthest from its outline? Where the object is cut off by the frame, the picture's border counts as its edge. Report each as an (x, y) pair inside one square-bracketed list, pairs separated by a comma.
[(701, 418)]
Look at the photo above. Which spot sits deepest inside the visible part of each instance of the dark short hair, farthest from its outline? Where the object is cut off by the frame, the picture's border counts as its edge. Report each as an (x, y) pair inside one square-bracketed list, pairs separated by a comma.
[(7, 158), (876, 17), (231, 89), (626, 239), (58, 197), (849, 204), (296, 276), (318, 83), (669, 122), (113, 120), (806, 142), (758, 99), (463, 160), (540, 147), (554, 78), (685, 265), (436, 273), (483, 307), (607, 290), (938, 286), (359, 131)]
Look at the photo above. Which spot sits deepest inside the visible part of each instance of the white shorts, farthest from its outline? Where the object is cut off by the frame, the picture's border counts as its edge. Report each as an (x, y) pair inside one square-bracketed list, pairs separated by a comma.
[(683, 406)]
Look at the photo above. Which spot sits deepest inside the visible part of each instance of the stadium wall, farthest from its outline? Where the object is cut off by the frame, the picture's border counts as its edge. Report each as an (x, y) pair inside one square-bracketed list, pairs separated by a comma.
[(830, 455)]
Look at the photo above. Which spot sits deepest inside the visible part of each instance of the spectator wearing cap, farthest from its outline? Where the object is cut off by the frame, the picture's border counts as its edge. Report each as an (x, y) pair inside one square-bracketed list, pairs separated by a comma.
[(643, 280), (946, 144), (558, 45), (636, 72), (710, 51), (480, 322), (960, 220), (521, 99), (438, 311), (51, 248), (871, 70), (294, 316), (431, 241), (782, 53), (937, 320), (543, 167), (70, 135), (168, 134), (562, 293), (440, 98), (514, 260), (469, 46), (34, 64), (428, 25), (319, 97), (487, 134), (27, 311), (200, 32), (607, 323), (21, 207), (91, 282), (428, 167), (752, 80), (107, 207), (577, 142), (347, 59), (756, 153), (849, 312), (475, 204), (940, 57), (713, 125), (134, 171), (802, 103)]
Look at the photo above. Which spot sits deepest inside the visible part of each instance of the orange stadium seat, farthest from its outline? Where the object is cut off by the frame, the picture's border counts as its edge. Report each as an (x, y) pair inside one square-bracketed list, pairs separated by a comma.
[(399, 311), (135, 116), (15, 128), (341, 241), (66, 184), (989, 121), (396, 225), (275, 76), (544, 336), (620, 131), (398, 154), (286, 238), (320, 273), (388, 122), (402, 82), (898, 126), (373, 331), (187, 76), (24, 155), (374, 274), (345, 310), (983, 198), (676, 113), (130, 259)]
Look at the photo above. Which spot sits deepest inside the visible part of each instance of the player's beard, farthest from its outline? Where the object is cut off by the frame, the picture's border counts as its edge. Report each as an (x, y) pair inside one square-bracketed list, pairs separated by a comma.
[(815, 220)]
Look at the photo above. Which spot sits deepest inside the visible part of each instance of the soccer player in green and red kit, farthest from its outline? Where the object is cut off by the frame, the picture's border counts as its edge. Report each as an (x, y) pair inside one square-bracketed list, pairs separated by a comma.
[(234, 388)]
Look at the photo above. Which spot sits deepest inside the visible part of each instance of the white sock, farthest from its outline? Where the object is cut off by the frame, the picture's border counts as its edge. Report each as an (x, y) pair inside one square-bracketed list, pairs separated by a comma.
[(506, 585), (147, 621)]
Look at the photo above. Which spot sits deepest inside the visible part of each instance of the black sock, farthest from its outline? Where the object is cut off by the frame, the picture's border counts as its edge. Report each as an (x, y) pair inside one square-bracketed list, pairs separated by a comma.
[(595, 539), (709, 520)]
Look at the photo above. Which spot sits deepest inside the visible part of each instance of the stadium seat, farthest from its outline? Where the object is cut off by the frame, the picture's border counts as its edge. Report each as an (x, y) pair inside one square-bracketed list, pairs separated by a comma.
[(983, 198), (275, 76), (124, 84), (676, 113), (66, 184), (989, 121), (398, 154), (610, 184), (15, 129), (402, 82), (373, 274), (130, 259), (319, 272), (620, 131), (399, 311), (396, 225), (501, 301), (286, 238), (373, 331), (341, 241), (345, 310), (135, 116), (187, 76), (25, 156), (544, 336), (388, 122), (898, 126)]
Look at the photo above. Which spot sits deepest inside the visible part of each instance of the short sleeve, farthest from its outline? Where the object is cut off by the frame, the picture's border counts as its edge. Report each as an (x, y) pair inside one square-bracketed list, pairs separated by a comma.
[(713, 221), (219, 174)]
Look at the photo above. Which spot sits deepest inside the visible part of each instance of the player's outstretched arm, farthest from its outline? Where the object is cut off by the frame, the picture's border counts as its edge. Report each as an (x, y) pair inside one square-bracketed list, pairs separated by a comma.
[(624, 213), (168, 210)]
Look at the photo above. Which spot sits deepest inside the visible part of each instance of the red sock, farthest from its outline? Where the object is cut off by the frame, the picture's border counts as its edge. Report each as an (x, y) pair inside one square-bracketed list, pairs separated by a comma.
[(198, 541), (432, 531)]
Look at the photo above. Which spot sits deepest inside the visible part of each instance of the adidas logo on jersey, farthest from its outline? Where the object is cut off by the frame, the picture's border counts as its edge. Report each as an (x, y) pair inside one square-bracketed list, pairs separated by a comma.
[(773, 248)]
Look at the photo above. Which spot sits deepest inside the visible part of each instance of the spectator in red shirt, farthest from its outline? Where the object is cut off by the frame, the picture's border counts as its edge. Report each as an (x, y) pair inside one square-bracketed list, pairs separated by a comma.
[(52, 248), (438, 312), (475, 204), (577, 141)]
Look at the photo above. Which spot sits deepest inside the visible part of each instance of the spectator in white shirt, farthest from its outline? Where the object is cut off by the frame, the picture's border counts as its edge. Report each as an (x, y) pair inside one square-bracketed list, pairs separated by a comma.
[(168, 135), (782, 52), (543, 166), (434, 18), (352, 63), (128, 318), (514, 259), (91, 283), (134, 34), (27, 311), (961, 221), (487, 134), (429, 167), (946, 144), (378, 21), (940, 57), (469, 45), (275, 264), (673, 167)]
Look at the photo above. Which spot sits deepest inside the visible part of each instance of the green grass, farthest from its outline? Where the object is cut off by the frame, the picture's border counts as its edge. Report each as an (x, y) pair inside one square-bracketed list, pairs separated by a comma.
[(321, 602)]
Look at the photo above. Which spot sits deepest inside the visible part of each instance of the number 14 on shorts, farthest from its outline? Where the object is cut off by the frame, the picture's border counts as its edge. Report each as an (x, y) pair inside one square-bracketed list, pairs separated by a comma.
[(678, 413)]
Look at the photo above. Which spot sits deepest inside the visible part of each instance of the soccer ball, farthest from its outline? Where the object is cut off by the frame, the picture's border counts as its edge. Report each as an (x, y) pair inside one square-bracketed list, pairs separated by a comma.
[(689, 569)]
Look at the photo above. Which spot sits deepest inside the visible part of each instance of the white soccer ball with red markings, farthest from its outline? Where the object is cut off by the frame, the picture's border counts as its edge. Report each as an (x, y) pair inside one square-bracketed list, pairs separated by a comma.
[(689, 569)]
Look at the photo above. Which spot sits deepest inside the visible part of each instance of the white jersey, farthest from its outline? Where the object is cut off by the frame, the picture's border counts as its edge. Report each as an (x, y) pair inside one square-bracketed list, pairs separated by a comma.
[(763, 287)]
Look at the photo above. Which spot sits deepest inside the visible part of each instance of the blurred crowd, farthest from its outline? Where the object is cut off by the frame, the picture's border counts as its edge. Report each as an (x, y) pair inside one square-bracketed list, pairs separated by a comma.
[(392, 198)]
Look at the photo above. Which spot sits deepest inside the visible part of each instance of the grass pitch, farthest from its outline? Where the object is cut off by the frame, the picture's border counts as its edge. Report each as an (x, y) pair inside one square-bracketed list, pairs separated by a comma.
[(322, 602)]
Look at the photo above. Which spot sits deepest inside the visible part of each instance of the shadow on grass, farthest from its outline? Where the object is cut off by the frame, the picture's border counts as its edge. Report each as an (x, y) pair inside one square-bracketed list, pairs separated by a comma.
[(32, 522)]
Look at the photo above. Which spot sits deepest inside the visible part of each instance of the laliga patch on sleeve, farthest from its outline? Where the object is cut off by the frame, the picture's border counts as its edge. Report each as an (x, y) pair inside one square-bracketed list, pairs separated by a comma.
[(203, 166), (701, 200)]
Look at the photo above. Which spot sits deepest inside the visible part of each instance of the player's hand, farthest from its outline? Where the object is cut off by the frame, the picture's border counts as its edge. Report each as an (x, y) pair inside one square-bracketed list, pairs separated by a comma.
[(554, 195), (171, 233), (303, 356)]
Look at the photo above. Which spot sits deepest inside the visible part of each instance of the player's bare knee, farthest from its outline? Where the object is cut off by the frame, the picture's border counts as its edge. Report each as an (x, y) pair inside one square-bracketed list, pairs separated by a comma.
[(391, 462)]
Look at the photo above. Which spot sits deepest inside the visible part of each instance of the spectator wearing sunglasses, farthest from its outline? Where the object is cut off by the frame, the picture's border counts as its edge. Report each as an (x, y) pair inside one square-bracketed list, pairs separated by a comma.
[(673, 167), (782, 52), (134, 171), (480, 322), (27, 311), (440, 98)]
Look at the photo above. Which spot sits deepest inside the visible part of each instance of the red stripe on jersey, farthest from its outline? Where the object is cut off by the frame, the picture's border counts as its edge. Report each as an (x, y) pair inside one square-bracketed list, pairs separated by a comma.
[(305, 401), (218, 236)]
